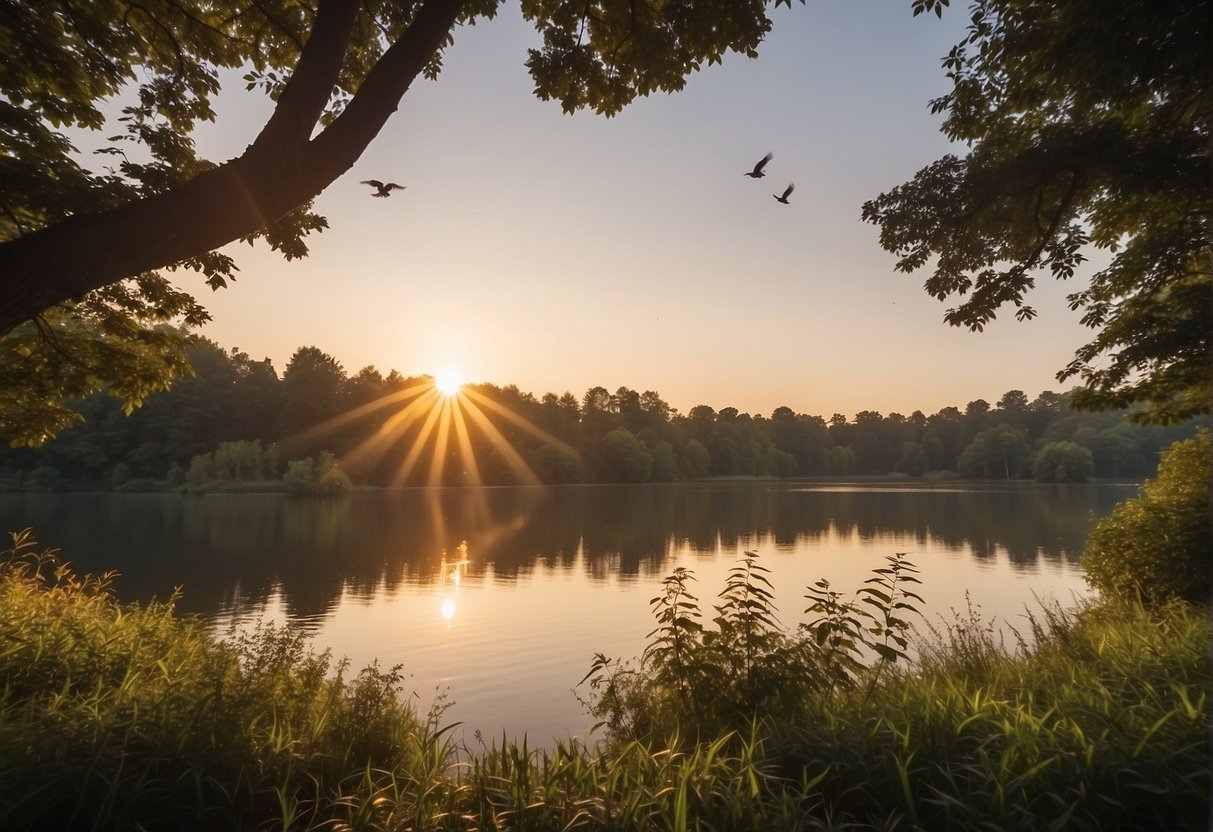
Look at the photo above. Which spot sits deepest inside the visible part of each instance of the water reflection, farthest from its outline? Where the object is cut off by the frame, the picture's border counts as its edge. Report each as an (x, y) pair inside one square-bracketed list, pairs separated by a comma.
[(450, 578), (501, 596), (231, 552)]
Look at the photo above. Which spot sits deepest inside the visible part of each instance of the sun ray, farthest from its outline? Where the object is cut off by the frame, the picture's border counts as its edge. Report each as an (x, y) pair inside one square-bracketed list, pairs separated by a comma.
[(329, 425), (512, 457), (392, 429), (465, 443), (525, 424), (438, 461), (447, 407), (406, 467)]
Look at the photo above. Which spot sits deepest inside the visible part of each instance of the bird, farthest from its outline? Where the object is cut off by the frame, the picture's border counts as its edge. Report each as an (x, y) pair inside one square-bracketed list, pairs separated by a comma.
[(757, 173), (384, 188), (786, 193)]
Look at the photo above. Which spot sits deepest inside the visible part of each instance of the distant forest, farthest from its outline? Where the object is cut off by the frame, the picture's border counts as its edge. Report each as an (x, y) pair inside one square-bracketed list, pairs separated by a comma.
[(238, 409)]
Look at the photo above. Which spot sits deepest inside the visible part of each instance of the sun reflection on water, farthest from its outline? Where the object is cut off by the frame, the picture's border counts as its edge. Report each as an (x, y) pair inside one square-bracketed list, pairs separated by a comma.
[(450, 579)]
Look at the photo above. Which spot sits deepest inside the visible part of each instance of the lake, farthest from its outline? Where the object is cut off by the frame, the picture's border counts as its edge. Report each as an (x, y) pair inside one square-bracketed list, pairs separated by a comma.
[(500, 597)]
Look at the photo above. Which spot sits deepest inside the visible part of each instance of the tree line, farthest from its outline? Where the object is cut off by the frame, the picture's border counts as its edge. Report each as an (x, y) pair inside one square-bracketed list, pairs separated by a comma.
[(239, 419)]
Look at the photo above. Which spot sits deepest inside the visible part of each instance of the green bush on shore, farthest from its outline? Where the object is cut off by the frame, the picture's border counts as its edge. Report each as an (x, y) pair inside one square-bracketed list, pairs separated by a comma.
[(125, 716), (1158, 545), (319, 477)]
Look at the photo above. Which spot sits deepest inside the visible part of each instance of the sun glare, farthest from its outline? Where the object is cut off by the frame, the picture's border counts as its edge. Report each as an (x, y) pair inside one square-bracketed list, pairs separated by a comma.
[(441, 416), (448, 381)]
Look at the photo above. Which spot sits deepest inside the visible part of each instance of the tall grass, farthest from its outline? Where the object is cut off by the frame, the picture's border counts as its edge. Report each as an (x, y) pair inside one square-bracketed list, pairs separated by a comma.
[(1100, 725), (131, 717), (116, 715)]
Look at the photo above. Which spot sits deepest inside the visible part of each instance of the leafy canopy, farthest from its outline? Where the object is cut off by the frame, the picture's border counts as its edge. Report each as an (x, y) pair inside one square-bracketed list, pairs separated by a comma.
[(1086, 125), (83, 301)]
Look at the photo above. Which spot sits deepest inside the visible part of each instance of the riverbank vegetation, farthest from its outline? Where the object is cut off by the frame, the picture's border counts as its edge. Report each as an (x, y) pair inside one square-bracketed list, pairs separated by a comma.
[(124, 716), (1159, 545), (238, 422)]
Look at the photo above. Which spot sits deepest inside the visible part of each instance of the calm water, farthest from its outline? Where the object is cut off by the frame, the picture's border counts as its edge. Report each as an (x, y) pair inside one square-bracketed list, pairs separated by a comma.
[(501, 597)]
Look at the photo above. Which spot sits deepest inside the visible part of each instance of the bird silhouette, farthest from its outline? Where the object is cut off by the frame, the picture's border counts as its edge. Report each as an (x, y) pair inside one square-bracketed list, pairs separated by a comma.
[(786, 193), (383, 188), (757, 173)]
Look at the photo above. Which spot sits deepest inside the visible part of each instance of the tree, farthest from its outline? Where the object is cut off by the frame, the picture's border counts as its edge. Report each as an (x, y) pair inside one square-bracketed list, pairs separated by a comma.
[(804, 437), (312, 387), (655, 406), (556, 465), (257, 395), (1063, 462), (1088, 124), (625, 458), (1012, 409), (696, 460), (1000, 451), (80, 250), (665, 467), (918, 458)]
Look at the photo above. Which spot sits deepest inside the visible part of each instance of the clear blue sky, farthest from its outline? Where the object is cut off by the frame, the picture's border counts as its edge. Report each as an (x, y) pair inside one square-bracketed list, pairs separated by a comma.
[(562, 252)]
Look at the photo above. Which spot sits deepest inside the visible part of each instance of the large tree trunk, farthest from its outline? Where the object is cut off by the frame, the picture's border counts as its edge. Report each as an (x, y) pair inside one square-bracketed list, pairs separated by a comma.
[(282, 169)]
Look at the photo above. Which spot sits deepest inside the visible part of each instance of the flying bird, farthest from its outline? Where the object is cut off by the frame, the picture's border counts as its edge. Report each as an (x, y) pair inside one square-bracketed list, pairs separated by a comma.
[(757, 173), (383, 188), (786, 193)]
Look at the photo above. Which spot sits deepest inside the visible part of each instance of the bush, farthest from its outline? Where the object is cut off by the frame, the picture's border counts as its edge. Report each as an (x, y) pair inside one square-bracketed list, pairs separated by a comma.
[(319, 477), (1157, 545)]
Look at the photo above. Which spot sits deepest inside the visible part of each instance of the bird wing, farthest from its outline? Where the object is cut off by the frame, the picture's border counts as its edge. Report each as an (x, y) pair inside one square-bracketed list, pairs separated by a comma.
[(374, 183), (392, 186), (789, 190), (763, 163)]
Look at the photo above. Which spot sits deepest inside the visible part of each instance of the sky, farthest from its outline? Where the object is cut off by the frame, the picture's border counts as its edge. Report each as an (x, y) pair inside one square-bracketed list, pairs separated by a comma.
[(560, 252)]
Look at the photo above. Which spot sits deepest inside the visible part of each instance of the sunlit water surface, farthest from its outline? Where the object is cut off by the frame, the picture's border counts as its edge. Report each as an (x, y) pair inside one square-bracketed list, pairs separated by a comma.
[(499, 598)]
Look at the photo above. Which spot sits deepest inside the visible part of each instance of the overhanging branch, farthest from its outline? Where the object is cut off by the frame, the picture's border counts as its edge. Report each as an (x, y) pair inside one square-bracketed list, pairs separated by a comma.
[(279, 172)]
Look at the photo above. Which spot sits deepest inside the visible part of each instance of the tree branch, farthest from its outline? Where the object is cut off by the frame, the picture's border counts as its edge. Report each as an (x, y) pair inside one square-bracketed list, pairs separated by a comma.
[(280, 171), (339, 146), (311, 84)]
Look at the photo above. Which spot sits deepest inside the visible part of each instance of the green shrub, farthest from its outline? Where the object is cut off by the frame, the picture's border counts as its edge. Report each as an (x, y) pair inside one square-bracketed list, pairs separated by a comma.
[(1157, 545), (695, 681), (319, 477)]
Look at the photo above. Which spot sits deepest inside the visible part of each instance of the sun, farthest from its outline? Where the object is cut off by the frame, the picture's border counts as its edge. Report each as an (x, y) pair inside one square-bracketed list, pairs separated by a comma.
[(448, 381)]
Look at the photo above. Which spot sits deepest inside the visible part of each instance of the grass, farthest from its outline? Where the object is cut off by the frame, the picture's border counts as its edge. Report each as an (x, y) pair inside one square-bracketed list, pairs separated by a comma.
[(1100, 725), (115, 716)]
